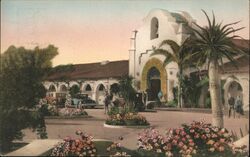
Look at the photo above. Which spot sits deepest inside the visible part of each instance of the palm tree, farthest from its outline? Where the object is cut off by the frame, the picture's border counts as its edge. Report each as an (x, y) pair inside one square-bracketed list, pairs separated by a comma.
[(212, 44), (180, 55)]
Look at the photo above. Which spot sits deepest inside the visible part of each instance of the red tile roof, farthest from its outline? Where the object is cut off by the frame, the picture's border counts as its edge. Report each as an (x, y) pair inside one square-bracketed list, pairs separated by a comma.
[(113, 69), (241, 43)]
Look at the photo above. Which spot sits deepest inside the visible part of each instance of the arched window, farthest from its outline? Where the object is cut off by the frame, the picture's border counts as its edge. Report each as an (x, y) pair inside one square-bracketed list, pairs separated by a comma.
[(88, 88), (154, 28), (52, 88), (63, 88), (101, 88), (114, 88)]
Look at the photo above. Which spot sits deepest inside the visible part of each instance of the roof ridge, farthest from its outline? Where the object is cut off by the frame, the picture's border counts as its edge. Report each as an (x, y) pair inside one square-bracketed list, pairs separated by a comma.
[(100, 62)]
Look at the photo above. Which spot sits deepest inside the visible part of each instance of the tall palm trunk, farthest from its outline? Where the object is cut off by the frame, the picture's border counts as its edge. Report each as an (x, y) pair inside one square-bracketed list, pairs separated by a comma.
[(180, 100), (214, 87), (179, 93)]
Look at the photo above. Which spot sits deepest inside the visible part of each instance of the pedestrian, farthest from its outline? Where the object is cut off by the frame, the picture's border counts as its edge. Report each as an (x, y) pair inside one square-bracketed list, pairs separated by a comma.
[(231, 102), (238, 106), (106, 102), (144, 97), (159, 95)]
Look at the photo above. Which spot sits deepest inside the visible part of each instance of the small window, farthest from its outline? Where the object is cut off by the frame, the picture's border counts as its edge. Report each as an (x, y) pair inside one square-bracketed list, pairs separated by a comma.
[(154, 28)]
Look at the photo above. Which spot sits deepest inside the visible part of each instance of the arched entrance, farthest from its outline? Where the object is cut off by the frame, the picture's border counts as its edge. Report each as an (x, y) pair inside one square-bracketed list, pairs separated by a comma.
[(153, 83), (154, 77), (233, 88), (51, 91), (100, 94), (87, 89), (62, 91)]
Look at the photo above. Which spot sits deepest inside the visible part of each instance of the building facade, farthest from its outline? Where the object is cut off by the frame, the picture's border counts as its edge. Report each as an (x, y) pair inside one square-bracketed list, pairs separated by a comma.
[(93, 79)]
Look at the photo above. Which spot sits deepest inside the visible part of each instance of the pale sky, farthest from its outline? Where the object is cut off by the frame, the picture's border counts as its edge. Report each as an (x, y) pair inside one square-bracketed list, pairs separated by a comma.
[(92, 31)]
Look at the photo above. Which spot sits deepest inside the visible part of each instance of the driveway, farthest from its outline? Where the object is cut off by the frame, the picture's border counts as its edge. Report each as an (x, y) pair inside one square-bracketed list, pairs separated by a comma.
[(161, 120)]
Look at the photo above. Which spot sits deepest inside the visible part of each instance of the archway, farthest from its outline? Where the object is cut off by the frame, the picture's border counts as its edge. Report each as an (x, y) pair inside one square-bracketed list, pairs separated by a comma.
[(154, 68), (63, 88), (100, 94), (62, 91), (51, 91), (87, 89), (232, 88), (153, 83), (52, 88)]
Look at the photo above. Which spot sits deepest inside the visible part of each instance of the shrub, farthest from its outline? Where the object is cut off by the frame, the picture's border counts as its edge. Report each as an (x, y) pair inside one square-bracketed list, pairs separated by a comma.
[(172, 103), (47, 107), (196, 139), (151, 105)]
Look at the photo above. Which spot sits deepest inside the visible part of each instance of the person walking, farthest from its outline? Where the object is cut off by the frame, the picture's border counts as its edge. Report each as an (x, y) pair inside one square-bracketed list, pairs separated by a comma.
[(106, 102)]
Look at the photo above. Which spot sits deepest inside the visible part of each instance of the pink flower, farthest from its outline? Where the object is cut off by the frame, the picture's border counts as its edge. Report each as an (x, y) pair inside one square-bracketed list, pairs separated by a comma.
[(183, 133), (180, 144), (203, 137), (222, 140), (207, 130), (191, 143), (192, 130), (174, 142)]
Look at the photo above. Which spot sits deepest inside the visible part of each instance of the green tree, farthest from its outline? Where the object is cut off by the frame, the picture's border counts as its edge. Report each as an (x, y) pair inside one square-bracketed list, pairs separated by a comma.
[(126, 89), (178, 54), (22, 73), (74, 90), (212, 44)]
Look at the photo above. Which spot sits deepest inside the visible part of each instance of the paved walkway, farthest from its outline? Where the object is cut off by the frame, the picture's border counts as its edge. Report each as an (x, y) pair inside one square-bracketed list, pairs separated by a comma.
[(35, 148), (162, 120)]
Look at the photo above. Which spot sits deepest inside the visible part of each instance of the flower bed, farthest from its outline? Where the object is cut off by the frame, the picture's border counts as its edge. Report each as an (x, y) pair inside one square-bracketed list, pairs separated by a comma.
[(129, 119), (196, 139), (125, 117), (86, 146), (71, 112), (83, 146)]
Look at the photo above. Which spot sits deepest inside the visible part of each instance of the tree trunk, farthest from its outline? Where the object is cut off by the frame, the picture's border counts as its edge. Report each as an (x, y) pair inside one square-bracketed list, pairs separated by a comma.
[(179, 94), (180, 99), (214, 87)]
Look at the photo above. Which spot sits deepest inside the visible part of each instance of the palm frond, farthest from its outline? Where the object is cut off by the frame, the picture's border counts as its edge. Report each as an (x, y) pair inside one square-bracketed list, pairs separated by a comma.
[(167, 61), (209, 22), (160, 52), (174, 46), (227, 25)]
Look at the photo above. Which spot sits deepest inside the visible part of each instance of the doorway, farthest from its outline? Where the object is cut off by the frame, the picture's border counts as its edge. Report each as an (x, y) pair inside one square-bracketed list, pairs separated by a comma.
[(154, 84)]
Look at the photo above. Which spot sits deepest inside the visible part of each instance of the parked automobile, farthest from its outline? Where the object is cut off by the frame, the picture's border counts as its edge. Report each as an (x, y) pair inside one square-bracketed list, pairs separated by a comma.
[(89, 103), (84, 102)]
